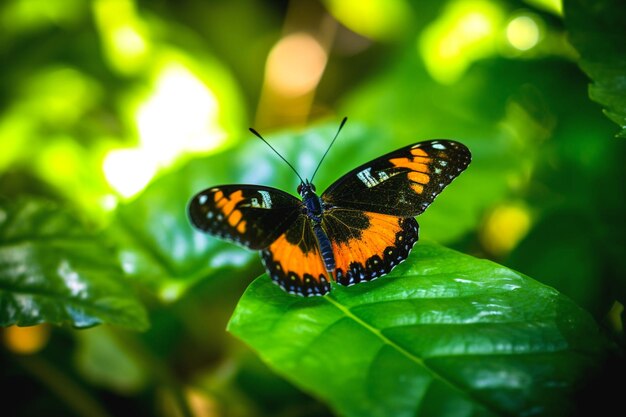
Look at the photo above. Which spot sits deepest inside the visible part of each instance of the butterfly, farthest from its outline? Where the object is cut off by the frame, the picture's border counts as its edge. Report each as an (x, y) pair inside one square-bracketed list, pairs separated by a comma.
[(357, 230)]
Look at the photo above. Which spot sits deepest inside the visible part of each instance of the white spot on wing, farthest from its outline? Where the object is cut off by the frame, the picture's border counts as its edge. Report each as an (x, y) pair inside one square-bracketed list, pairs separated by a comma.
[(366, 177), (202, 199), (267, 199), (369, 180)]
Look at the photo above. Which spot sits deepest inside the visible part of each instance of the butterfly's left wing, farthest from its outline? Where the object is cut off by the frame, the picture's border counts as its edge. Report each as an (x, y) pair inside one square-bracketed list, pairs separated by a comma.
[(367, 245), (401, 183)]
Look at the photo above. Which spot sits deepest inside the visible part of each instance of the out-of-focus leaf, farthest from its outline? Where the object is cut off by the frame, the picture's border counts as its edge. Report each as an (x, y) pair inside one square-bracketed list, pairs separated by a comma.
[(246, 387), (52, 270), (103, 360), (158, 244), (445, 334), (597, 31), (547, 253), (578, 204)]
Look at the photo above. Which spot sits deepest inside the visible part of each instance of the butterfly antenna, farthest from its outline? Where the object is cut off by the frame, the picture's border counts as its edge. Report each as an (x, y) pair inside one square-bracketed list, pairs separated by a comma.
[(258, 135), (343, 122)]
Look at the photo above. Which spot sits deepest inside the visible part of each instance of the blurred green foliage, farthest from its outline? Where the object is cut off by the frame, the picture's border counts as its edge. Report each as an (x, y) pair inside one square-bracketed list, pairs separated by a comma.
[(115, 112)]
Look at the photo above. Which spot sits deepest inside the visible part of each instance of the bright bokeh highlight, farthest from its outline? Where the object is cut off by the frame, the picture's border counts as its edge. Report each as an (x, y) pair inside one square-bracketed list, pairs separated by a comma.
[(128, 171), (124, 36), (465, 32), (523, 33), (180, 115), (504, 227), (375, 19), (552, 6), (26, 340), (295, 65)]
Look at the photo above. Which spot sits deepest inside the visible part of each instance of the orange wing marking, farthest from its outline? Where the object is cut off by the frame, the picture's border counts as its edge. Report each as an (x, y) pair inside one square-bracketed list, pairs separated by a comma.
[(418, 164), (297, 270), (373, 241), (378, 249), (227, 206), (293, 262)]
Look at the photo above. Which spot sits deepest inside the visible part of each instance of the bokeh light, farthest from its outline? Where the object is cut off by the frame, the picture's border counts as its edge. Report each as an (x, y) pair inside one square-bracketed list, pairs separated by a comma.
[(465, 32), (128, 171), (293, 70), (523, 33), (552, 6), (180, 115), (375, 19), (124, 35), (295, 65), (26, 340), (504, 227)]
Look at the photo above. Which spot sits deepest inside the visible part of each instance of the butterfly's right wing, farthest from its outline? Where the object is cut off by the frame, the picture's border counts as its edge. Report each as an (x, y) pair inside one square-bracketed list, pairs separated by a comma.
[(251, 215), (401, 183)]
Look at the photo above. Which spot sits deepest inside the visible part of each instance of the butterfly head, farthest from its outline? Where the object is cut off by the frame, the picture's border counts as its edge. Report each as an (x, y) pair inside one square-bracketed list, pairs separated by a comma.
[(306, 189)]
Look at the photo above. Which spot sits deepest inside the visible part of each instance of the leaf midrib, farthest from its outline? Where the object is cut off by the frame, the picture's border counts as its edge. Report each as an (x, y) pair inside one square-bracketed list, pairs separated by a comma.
[(412, 357)]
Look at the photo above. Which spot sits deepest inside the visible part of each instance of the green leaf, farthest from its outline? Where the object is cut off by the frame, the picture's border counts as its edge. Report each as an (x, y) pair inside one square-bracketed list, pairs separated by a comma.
[(597, 31), (104, 360), (444, 334), (52, 270)]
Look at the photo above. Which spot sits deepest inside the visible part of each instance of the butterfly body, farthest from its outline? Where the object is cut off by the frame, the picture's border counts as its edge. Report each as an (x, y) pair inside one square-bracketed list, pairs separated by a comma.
[(357, 230), (314, 209)]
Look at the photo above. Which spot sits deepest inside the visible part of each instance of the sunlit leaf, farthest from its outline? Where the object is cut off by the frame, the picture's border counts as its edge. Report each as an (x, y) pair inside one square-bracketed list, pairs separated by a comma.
[(445, 334), (52, 270), (597, 31)]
